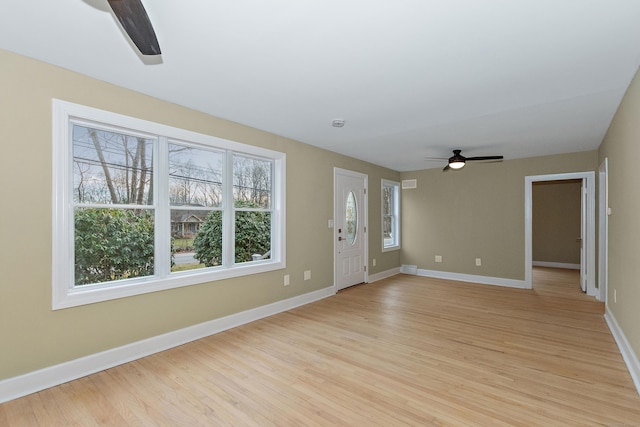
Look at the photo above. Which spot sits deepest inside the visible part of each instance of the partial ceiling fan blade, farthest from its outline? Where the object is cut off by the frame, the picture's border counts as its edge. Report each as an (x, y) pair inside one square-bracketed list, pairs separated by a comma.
[(485, 158), (446, 168), (136, 23)]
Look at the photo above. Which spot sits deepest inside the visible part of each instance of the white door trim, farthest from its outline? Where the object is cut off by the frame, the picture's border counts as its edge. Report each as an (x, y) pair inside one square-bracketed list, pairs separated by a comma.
[(588, 180), (603, 230), (365, 217)]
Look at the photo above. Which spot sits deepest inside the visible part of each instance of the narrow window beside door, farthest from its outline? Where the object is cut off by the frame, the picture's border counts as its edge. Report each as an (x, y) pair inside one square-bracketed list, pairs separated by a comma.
[(390, 215)]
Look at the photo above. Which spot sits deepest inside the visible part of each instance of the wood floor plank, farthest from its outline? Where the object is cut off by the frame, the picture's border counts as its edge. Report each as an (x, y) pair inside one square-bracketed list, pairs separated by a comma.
[(123, 402), (18, 412), (406, 350)]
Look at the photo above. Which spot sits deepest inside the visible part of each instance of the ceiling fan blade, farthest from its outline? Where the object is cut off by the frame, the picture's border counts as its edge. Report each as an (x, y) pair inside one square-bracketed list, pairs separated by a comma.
[(446, 168), (485, 158), (136, 23)]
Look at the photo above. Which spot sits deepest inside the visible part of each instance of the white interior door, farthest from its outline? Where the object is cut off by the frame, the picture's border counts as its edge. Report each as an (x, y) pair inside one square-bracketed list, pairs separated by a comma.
[(603, 239), (583, 235), (350, 227)]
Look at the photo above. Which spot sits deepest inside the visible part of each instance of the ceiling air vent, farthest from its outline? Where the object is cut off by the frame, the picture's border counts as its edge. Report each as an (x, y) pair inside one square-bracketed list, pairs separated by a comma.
[(409, 183)]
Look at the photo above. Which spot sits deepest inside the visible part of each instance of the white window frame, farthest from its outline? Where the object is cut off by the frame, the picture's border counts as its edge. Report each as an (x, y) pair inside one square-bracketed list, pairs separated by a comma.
[(395, 245), (64, 294)]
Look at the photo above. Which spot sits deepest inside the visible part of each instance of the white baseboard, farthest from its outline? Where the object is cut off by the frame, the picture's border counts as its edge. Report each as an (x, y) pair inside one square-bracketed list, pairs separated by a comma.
[(383, 275), (555, 265), (409, 269), (485, 280), (35, 381), (629, 356)]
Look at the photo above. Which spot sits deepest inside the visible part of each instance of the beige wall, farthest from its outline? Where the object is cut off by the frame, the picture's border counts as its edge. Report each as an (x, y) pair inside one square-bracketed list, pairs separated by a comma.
[(476, 212), (621, 146), (461, 215), (32, 336), (556, 221)]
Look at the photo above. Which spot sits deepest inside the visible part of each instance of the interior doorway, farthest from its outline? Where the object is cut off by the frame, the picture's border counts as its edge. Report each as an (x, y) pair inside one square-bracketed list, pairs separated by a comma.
[(587, 258), (558, 226)]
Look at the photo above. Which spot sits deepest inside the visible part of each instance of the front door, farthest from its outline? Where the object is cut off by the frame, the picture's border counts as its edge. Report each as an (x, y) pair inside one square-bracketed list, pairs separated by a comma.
[(350, 203)]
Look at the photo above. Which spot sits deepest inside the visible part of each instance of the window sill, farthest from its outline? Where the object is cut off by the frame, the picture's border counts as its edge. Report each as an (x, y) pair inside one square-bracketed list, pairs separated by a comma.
[(96, 293)]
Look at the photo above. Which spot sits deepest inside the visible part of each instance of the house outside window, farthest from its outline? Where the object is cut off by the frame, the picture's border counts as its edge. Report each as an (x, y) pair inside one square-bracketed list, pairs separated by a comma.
[(141, 207), (390, 215)]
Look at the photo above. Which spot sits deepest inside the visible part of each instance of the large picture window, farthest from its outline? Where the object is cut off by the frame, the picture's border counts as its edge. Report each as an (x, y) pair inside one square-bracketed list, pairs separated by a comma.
[(390, 215), (141, 207)]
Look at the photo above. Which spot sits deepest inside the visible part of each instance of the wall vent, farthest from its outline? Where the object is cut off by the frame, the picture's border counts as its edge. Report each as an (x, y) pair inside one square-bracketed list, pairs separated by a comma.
[(409, 183)]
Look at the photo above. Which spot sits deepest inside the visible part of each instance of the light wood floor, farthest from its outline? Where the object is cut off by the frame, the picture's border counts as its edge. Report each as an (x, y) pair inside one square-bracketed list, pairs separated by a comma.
[(403, 351)]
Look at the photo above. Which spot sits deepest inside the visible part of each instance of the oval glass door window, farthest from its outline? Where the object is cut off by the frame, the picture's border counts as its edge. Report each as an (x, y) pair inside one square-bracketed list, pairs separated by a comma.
[(351, 218)]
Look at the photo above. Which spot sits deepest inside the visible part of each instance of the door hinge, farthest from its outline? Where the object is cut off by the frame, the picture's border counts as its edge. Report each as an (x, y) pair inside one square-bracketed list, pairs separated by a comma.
[(365, 268), (365, 228), (365, 191)]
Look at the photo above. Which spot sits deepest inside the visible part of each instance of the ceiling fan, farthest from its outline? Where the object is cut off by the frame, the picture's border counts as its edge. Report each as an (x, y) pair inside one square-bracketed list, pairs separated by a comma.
[(457, 161), (136, 23)]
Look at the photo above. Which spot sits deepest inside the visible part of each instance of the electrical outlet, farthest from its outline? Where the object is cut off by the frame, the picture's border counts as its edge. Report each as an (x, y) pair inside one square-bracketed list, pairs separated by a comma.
[(374, 262), (286, 280), (307, 275), (438, 258), (478, 262)]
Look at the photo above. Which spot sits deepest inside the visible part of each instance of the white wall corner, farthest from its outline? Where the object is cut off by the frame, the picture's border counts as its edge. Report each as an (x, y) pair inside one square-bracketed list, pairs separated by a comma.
[(629, 356), (32, 382)]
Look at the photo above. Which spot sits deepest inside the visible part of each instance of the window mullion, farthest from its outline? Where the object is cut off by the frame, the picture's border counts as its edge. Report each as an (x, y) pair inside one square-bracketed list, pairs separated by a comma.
[(228, 214), (161, 204)]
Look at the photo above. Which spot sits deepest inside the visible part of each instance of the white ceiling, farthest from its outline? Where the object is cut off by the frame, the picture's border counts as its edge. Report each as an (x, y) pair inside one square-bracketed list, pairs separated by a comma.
[(411, 78)]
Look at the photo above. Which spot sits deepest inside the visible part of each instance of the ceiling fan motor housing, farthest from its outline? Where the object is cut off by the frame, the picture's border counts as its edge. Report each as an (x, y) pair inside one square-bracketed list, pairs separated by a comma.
[(457, 157)]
